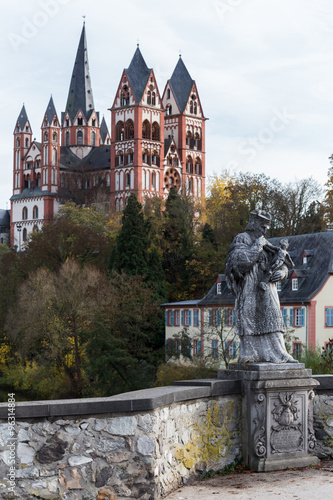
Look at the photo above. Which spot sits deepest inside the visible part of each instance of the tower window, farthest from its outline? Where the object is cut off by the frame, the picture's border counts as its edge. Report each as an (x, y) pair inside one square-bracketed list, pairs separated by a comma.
[(24, 213), (168, 94), (80, 137), (169, 110), (67, 138), (93, 138), (35, 212), (80, 121)]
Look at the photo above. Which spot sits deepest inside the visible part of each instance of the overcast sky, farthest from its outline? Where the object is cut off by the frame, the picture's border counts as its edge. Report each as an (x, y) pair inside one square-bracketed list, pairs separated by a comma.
[(263, 68)]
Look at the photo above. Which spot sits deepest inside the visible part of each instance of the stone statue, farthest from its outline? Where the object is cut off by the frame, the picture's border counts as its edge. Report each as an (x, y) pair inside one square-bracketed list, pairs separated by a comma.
[(253, 267)]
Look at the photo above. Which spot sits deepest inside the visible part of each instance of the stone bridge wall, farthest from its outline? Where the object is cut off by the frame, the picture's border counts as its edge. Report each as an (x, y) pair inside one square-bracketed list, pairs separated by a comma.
[(139, 445)]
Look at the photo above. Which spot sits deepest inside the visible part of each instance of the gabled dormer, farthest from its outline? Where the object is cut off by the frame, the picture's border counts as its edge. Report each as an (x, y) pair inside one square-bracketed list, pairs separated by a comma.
[(104, 133)]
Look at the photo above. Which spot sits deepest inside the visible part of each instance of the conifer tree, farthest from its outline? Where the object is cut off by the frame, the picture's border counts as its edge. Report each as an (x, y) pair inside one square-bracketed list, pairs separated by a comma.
[(130, 254)]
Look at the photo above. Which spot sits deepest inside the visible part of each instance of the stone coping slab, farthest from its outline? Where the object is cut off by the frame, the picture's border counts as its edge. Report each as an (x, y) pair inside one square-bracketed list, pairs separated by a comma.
[(143, 400), (259, 367)]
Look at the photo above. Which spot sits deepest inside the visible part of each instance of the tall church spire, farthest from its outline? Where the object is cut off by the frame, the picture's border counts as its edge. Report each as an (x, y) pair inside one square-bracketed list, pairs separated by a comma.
[(80, 94)]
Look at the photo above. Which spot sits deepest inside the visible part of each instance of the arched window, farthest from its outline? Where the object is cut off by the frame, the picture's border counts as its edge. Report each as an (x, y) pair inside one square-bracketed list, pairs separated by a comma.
[(38, 183), (93, 138), (153, 99), (189, 140), (168, 94), (24, 213), (155, 131), (35, 212), (153, 181), (54, 137), (18, 142), (25, 234), (79, 137), (146, 130), (191, 106), (54, 156), (155, 159), (46, 136), (169, 109), (198, 166), (54, 176), (120, 131), (129, 129), (145, 157), (128, 180), (197, 141), (27, 143), (124, 98), (35, 229), (195, 111), (189, 165), (67, 138), (148, 97)]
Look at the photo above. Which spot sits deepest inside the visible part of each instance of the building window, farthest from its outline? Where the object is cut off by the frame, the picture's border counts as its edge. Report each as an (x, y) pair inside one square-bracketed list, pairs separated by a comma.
[(329, 316), (172, 318), (46, 137), (196, 347), (153, 99), (35, 212), (54, 137), (189, 140), (294, 284), (305, 259), (231, 317), (187, 317), (146, 130), (214, 349), (177, 318), (196, 317), (24, 213), (169, 110), (299, 319), (155, 131), (120, 131), (129, 129), (80, 137), (168, 94), (67, 138), (128, 180), (80, 121), (230, 347), (214, 318), (278, 286), (219, 288), (297, 349), (93, 138), (25, 234)]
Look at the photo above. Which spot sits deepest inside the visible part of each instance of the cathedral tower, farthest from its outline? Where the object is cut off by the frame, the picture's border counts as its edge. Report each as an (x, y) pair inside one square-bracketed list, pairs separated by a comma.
[(137, 125), (185, 124)]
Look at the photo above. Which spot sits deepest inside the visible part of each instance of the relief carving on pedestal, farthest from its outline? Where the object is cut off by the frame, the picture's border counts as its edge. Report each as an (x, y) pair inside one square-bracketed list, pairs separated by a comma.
[(260, 427), (287, 435), (311, 434)]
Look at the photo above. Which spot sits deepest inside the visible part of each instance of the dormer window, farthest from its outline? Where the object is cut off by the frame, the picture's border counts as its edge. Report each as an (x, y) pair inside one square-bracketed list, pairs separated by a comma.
[(219, 288), (278, 286), (294, 284), (305, 259), (80, 121)]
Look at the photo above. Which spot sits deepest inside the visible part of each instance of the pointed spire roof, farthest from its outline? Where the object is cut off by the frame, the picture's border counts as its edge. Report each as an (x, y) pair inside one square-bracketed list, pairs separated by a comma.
[(181, 84), (50, 111), (80, 94), (103, 130), (138, 74), (22, 118)]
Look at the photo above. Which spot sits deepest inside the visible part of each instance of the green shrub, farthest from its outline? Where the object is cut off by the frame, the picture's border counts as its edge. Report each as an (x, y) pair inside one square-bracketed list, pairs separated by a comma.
[(169, 372)]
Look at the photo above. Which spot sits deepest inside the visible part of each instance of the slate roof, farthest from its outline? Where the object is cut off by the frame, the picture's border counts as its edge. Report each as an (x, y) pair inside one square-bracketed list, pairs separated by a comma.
[(80, 94), (138, 74), (97, 159), (50, 112), (311, 276), (32, 193), (103, 130), (181, 84), (22, 119), (4, 218)]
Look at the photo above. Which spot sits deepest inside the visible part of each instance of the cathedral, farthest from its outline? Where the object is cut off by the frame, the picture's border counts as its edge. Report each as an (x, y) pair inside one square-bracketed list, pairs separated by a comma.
[(157, 141)]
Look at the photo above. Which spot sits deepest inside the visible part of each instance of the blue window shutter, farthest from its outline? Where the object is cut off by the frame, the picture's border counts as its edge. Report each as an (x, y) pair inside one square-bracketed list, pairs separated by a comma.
[(225, 315), (182, 315), (233, 317), (210, 317), (199, 347), (233, 347), (218, 319), (302, 317), (189, 318), (291, 319), (166, 317), (284, 314)]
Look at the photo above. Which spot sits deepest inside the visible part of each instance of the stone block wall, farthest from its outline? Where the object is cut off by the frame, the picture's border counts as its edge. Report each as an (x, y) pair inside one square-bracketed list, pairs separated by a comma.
[(178, 433)]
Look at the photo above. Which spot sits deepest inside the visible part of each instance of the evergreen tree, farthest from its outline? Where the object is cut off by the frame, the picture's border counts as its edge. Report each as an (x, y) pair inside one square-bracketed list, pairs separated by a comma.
[(130, 255)]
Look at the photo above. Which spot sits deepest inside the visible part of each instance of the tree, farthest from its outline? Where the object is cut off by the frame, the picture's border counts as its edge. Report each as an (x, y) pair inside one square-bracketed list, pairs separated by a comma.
[(121, 349), (130, 254), (177, 244), (50, 315)]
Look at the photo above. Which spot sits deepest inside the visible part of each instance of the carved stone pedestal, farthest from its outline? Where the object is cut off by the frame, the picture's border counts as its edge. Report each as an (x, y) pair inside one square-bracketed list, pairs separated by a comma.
[(277, 417)]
